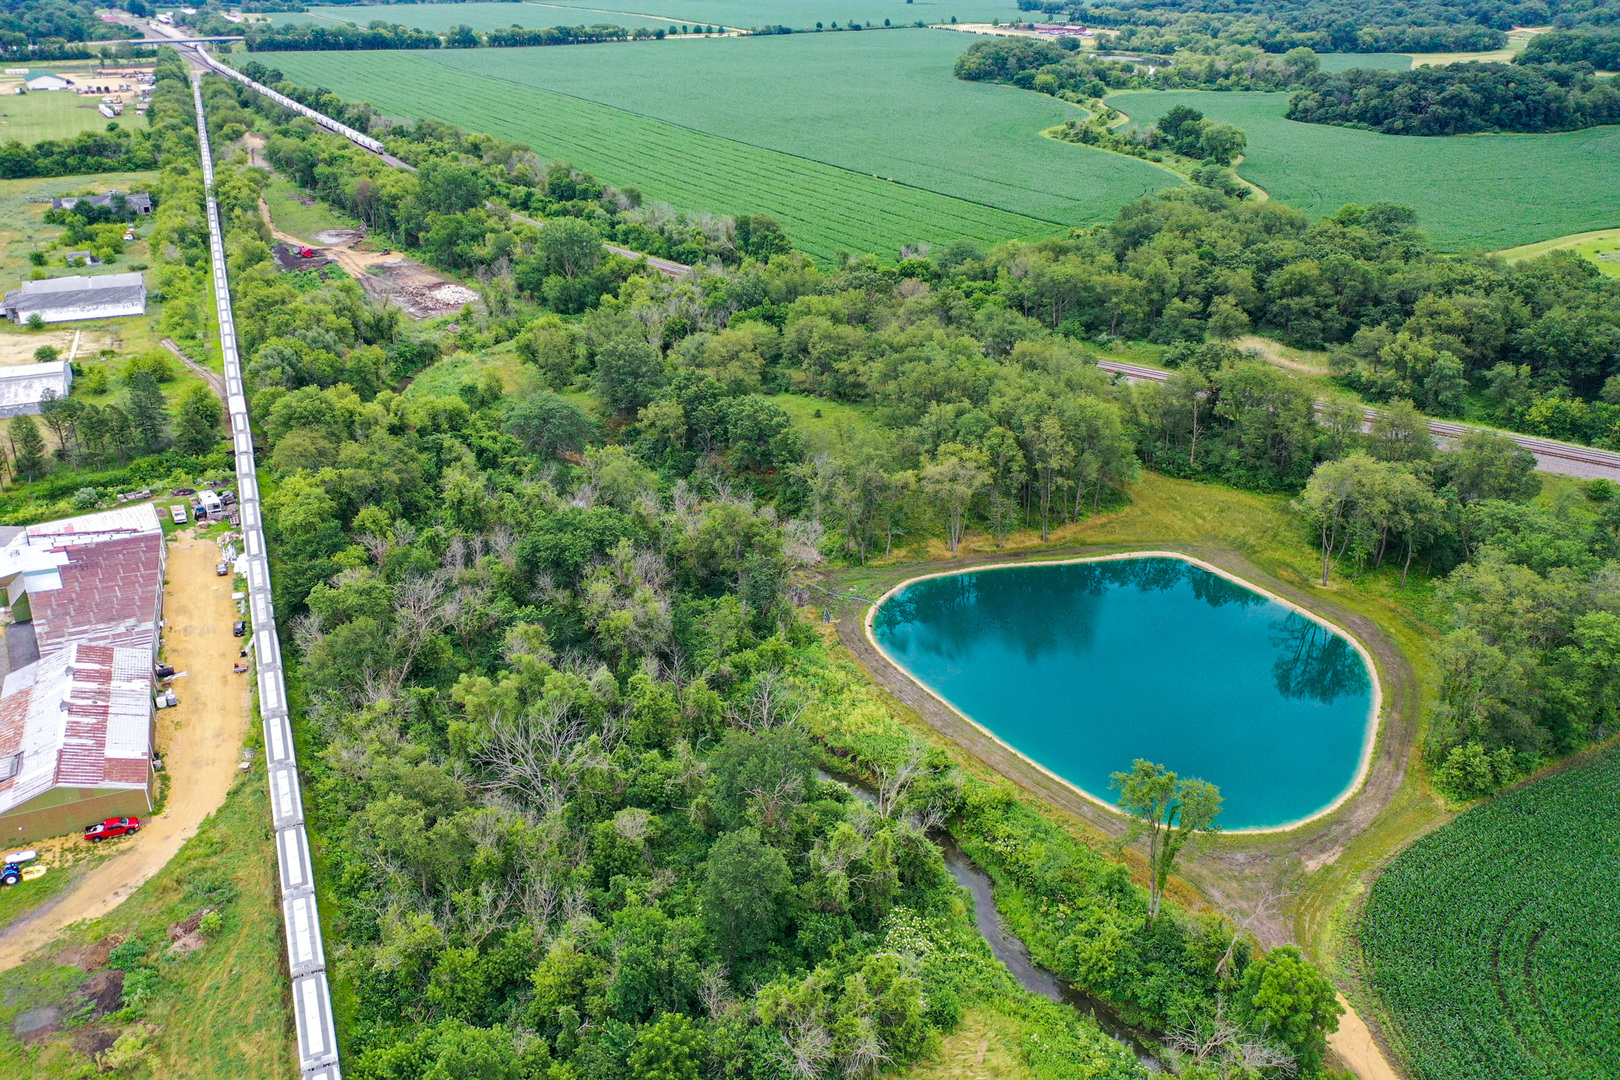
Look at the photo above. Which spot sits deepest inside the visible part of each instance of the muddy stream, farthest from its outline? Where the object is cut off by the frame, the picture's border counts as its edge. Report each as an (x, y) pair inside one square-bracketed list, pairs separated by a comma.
[(1010, 949)]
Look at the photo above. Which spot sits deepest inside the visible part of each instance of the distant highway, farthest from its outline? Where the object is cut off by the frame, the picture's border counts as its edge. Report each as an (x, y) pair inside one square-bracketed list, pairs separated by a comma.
[(1562, 459)]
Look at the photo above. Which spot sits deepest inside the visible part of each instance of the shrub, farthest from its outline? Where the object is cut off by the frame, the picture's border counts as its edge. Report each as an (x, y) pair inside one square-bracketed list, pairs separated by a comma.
[(154, 361), (85, 498), (46, 353)]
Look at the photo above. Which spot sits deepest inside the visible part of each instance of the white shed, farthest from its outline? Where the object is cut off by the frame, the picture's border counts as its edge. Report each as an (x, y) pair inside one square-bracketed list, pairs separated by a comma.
[(71, 298), (25, 387), (44, 80)]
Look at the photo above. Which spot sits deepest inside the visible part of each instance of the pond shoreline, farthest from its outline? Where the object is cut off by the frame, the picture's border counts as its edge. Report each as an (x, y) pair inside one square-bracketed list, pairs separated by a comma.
[(1369, 739)]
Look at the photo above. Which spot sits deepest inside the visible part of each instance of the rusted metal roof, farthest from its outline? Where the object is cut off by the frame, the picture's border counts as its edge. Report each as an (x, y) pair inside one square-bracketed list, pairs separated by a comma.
[(111, 594), (81, 718)]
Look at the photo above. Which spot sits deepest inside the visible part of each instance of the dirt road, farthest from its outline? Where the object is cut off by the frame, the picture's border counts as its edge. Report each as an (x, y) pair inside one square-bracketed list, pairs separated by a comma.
[(1357, 1048), (200, 741), (215, 381)]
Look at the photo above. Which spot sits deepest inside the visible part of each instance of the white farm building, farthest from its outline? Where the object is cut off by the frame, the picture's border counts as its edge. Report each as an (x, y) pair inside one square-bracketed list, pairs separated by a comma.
[(72, 298), (25, 387)]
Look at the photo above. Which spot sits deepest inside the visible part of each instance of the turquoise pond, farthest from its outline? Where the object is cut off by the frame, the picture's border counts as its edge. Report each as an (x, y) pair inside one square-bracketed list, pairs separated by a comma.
[(1083, 667)]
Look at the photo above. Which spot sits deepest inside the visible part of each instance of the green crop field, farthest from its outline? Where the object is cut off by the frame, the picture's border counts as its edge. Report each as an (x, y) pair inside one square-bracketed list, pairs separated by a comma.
[(1470, 191), (1370, 61), (742, 14), (859, 142), (28, 118), (1495, 942)]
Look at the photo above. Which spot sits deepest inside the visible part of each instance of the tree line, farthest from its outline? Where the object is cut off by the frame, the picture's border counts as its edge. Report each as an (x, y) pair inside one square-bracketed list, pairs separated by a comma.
[(1459, 99), (379, 34), (50, 24), (1599, 48), (118, 149)]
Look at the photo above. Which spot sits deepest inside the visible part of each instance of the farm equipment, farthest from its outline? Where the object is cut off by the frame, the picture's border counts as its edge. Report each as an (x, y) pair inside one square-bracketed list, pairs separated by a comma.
[(14, 870), (306, 253)]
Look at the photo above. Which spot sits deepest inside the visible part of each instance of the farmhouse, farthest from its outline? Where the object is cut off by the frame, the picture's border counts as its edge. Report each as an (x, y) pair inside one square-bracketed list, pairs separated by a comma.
[(140, 201), (45, 80), (73, 298), (25, 387), (76, 716)]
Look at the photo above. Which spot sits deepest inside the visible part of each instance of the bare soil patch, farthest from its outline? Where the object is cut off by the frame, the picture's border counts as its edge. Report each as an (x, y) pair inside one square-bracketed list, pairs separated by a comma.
[(93, 1042), (18, 348), (386, 276), (288, 258), (89, 957), (35, 1024), (102, 992)]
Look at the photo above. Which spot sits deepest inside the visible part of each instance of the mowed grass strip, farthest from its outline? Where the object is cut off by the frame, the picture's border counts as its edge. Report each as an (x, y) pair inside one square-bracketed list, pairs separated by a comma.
[(56, 114), (1470, 191), (824, 209), (883, 104), (1494, 942)]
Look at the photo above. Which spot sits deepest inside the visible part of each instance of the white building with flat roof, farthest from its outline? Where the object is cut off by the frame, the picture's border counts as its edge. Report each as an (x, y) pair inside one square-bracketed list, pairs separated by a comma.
[(25, 387), (69, 299)]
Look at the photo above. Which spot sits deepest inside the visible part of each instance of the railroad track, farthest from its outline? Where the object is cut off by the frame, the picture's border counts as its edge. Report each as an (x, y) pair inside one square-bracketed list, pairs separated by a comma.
[(1564, 459), (313, 1022)]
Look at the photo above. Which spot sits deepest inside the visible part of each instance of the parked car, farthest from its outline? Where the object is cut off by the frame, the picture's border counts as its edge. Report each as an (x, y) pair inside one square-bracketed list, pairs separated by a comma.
[(239, 628), (113, 826), (222, 568)]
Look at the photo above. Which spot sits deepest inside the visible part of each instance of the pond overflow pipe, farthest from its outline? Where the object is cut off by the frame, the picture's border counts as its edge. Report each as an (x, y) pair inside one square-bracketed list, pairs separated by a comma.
[(306, 955)]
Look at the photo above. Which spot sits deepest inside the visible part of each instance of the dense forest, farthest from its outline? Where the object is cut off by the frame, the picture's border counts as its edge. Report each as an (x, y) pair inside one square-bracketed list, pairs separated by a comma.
[(1459, 99), (1599, 48), (568, 721), (1059, 69), (1333, 25), (25, 23)]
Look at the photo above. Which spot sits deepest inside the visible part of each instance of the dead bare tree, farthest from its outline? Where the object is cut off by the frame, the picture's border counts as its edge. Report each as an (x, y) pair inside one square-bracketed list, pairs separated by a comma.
[(1264, 905), (896, 777), (541, 754), (771, 704)]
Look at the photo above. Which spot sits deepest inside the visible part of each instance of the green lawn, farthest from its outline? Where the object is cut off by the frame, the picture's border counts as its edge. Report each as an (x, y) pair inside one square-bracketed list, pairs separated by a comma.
[(743, 14), (298, 218), (61, 114), (1470, 191), (860, 142)]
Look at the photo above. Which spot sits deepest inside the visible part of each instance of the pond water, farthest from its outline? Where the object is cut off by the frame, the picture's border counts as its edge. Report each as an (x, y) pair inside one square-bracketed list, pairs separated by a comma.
[(1083, 667)]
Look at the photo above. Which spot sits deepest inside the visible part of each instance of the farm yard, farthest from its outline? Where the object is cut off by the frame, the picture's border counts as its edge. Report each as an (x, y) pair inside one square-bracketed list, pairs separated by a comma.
[(1470, 191), (1493, 941), (810, 130)]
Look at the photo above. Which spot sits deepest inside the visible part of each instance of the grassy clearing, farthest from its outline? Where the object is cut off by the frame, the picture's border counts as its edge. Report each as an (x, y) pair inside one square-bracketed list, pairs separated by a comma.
[(985, 1046), (447, 376), (1495, 942), (23, 227), (1601, 248), (706, 128), (220, 1013), (1516, 41), (28, 118), (292, 214), (1470, 191)]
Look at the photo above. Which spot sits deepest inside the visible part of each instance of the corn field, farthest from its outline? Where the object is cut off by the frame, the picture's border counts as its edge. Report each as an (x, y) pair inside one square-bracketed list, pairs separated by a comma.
[(1495, 942)]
